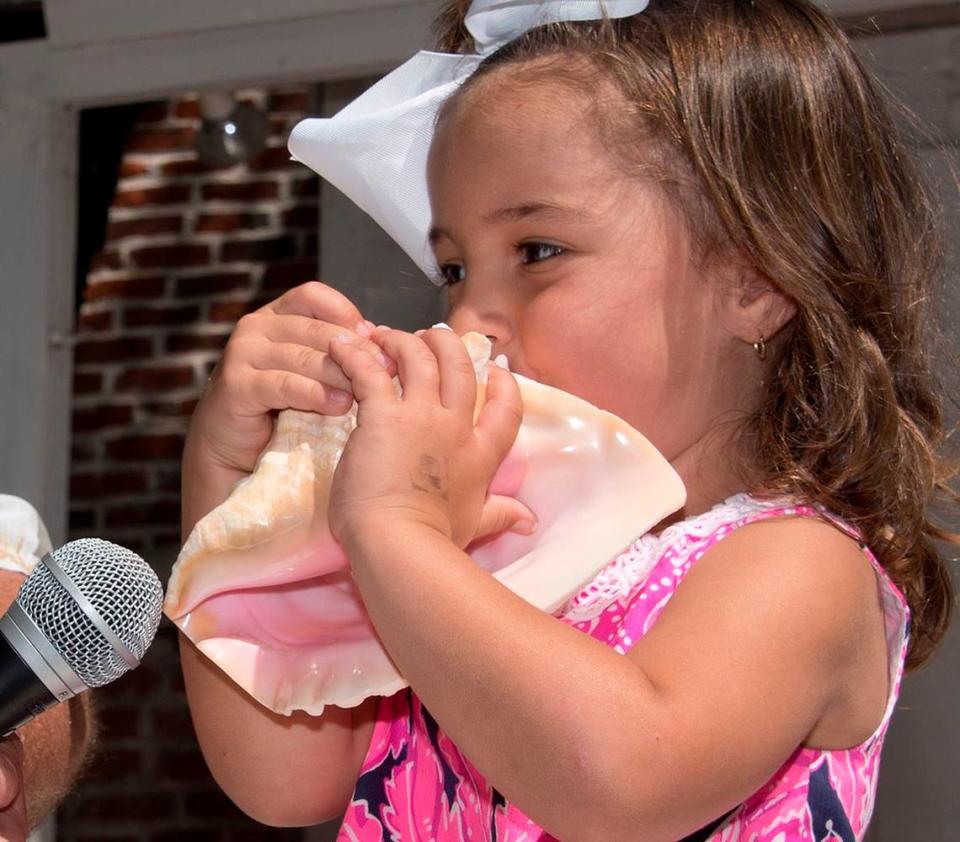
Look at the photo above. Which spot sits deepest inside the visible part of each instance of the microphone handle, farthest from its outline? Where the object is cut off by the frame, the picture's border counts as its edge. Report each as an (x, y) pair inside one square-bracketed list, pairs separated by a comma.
[(22, 695)]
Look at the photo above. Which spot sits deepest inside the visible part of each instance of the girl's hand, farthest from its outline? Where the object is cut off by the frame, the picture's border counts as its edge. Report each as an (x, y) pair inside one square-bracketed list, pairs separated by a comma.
[(418, 458), (277, 358)]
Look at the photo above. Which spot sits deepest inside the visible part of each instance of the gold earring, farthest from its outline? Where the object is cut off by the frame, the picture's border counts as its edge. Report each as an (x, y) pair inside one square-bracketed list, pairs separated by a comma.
[(761, 348)]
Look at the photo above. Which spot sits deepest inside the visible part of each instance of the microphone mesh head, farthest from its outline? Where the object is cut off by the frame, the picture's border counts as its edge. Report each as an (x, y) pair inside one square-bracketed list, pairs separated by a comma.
[(122, 588)]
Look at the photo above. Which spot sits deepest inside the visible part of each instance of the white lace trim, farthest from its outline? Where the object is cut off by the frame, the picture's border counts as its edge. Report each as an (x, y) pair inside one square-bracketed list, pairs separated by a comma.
[(631, 568)]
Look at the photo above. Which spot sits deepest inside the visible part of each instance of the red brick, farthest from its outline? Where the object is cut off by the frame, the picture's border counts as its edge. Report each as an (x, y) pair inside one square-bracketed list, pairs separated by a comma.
[(305, 187), (82, 451), (102, 836), (241, 192), (181, 766), (140, 448), (171, 194), (118, 723), (151, 287), (176, 409), (283, 276), (273, 158), (151, 804), (85, 383), (144, 227), (131, 169), (100, 417), (114, 765), (112, 350), (173, 723), (167, 543), (189, 166), (101, 320), (176, 683), (204, 285), (96, 485), (82, 519), (274, 248), (181, 342), (302, 216), (259, 833), (168, 481), (158, 379), (211, 803), (228, 311), (172, 256), (105, 260), (150, 316), (162, 512), (188, 109), (225, 222), (297, 101), (161, 139), (153, 112), (188, 835), (145, 681)]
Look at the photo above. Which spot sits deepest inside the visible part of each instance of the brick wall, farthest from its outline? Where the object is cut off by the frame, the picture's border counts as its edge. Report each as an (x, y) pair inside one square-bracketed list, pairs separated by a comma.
[(188, 251)]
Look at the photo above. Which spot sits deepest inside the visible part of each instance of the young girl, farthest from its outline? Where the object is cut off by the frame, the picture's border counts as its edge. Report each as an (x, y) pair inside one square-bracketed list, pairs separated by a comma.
[(700, 219)]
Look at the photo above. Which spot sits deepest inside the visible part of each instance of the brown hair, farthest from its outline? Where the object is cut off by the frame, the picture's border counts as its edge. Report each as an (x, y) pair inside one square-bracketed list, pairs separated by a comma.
[(776, 142)]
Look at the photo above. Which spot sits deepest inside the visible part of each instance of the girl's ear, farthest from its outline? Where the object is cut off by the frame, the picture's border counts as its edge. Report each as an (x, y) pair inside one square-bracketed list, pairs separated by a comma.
[(756, 308)]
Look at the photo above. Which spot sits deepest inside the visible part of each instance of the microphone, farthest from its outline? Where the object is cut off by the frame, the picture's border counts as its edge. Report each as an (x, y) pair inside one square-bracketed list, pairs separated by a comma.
[(82, 618)]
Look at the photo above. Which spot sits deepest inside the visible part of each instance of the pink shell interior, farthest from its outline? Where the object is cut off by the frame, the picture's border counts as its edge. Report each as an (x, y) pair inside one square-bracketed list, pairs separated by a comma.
[(263, 590)]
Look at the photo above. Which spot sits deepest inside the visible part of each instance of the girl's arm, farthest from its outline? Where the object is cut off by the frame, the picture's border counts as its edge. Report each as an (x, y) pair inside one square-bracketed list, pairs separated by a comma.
[(283, 771), (295, 770), (758, 651)]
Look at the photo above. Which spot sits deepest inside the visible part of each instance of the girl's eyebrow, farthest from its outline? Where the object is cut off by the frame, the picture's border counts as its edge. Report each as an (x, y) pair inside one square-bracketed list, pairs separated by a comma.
[(545, 210)]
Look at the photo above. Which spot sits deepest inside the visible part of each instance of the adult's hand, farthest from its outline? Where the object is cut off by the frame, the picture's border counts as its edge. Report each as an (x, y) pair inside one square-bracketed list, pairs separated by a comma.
[(13, 808)]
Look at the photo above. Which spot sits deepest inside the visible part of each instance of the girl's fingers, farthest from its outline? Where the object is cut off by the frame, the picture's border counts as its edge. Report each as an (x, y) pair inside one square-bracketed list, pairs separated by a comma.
[(502, 412), (505, 514), (458, 379), (368, 378), (318, 301), (313, 333), (289, 390), (299, 359), (417, 366)]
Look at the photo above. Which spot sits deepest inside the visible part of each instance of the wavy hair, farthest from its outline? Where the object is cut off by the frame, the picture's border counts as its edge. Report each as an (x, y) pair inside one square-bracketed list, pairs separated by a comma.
[(761, 124)]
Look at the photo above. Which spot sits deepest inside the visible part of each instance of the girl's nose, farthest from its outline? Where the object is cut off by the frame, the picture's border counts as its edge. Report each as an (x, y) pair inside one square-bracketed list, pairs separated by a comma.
[(465, 317)]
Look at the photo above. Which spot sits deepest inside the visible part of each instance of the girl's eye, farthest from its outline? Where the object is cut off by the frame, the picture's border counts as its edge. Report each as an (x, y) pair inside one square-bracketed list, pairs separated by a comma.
[(452, 273), (536, 252)]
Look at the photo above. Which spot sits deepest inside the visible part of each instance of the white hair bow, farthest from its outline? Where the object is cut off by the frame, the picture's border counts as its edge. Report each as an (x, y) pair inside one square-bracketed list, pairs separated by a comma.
[(375, 149)]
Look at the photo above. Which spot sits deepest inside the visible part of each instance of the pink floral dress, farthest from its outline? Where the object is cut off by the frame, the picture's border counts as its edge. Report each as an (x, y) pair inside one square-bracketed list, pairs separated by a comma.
[(415, 785)]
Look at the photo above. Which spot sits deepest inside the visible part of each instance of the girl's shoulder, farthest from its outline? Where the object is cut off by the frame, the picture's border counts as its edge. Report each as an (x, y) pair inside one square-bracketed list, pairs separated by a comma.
[(645, 575), (787, 547), (768, 581)]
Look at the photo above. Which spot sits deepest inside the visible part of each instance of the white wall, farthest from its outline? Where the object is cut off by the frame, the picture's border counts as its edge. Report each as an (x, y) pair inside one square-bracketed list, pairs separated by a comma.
[(920, 772), (360, 260)]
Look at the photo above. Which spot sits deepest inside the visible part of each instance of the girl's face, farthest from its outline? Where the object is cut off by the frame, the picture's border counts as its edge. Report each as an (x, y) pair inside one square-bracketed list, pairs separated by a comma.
[(580, 274)]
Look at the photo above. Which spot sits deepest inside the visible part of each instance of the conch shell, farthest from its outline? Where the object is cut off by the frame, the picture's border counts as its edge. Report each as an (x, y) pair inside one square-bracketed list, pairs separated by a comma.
[(263, 589)]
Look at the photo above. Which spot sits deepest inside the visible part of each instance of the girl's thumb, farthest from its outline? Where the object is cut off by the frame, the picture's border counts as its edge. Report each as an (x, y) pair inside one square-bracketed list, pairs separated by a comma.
[(505, 514)]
